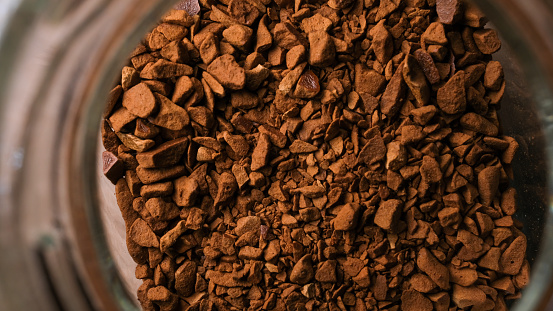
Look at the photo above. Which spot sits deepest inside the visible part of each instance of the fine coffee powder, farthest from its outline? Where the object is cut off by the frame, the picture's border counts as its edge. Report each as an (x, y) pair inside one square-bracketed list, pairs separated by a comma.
[(317, 155)]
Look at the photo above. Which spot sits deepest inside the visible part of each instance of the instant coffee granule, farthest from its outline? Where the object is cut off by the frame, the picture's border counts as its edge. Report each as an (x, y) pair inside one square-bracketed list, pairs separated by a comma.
[(317, 155)]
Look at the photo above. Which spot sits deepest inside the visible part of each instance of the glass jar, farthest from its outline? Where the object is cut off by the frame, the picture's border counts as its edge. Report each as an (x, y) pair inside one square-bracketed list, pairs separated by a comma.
[(61, 243)]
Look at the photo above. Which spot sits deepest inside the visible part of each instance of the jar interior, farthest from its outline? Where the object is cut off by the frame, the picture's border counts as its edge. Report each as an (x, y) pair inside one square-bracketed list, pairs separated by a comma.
[(519, 118)]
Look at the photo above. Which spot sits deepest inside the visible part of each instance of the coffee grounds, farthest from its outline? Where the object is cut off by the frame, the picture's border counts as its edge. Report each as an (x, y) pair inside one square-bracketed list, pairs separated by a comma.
[(314, 155)]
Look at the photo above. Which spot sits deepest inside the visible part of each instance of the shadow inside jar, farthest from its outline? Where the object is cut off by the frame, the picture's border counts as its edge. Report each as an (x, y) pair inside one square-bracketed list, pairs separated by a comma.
[(520, 119)]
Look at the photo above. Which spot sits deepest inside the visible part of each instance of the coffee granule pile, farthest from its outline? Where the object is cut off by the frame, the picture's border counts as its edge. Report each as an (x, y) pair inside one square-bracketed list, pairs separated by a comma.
[(317, 155)]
